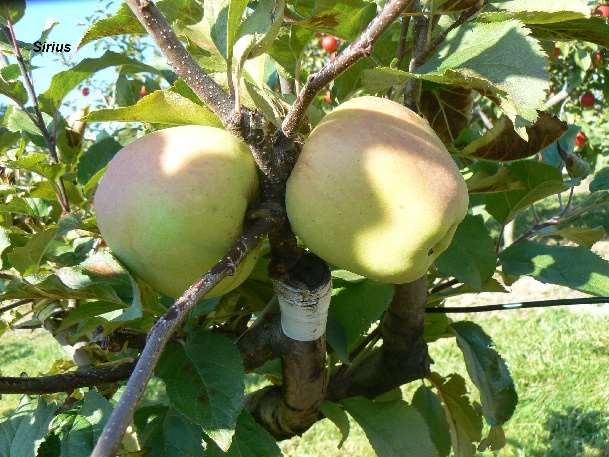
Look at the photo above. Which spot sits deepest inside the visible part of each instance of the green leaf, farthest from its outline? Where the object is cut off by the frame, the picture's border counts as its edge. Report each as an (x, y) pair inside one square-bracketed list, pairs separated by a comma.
[(584, 236), (213, 396), (497, 58), (236, 8), (77, 439), (257, 33), (288, 48), (357, 305), (339, 417), (95, 158), (7, 139), (471, 257), (96, 409), (428, 404), (172, 434), (464, 421), (342, 18), (600, 181), (251, 440), (14, 90), (64, 81), (553, 20), (538, 180), (570, 266), (38, 163), (162, 107), (125, 23), (13, 10), (5, 242), (538, 12), (488, 371), (87, 310), (594, 29), (393, 428), (26, 259), (23, 431)]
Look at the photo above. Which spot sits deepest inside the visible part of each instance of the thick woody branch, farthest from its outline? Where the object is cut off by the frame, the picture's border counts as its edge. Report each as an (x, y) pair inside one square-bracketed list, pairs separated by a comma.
[(292, 408), (65, 382), (403, 356), (161, 333), (362, 47), (212, 94)]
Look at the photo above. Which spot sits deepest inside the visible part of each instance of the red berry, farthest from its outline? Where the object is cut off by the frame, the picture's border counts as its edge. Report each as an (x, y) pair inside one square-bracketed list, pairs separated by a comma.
[(85, 91), (143, 91), (598, 57), (587, 100), (328, 98), (580, 139), (556, 52), (602, 10), (329, 44)]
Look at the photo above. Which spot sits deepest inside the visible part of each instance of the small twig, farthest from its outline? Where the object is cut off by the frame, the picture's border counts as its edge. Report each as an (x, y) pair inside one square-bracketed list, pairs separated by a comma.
[(182, 62), (402, 50), (16, 304), (161, 333), (445, 285), (65, 382), (419, 31), (360, 48), (422, 57), (38, 119), (484, 118), (523, 305), (568, 204)]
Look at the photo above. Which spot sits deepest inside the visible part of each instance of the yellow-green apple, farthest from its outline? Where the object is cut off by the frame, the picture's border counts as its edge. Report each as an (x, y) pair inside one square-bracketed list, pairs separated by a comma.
[(171, 204), (374, 191)]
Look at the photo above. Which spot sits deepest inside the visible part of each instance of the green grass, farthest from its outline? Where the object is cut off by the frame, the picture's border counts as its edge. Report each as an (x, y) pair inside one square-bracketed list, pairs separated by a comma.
[(27, 352), (559, 360)]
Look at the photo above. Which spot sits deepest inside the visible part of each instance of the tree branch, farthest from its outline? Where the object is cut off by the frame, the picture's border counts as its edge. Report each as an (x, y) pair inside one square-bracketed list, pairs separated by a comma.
[(65, 382), (37, 119), (362, 47), (403, 356), (212, 94), (292, 408), (162, 331)]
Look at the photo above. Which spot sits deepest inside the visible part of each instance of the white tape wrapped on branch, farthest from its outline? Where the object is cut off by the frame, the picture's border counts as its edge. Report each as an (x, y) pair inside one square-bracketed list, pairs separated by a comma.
[(304, 313)]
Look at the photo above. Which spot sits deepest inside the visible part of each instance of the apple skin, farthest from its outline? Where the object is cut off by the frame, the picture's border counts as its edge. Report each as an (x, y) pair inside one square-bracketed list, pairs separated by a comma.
[(329, 44), (375, 192), (580, 139), (587, 100), (172, 203)]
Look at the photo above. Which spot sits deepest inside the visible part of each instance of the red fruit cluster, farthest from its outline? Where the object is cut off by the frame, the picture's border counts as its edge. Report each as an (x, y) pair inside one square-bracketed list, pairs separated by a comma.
[(85, 91), (329, 44), (602, 10), (580, 139), (587, 100)]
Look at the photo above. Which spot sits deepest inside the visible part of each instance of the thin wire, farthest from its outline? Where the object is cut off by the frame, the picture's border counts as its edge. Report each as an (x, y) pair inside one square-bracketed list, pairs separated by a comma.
[(510, 306)]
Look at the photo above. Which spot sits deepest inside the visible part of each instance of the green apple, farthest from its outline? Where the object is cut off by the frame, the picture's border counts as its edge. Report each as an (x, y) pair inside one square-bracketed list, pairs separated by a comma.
[(172, 203), (375, 192)]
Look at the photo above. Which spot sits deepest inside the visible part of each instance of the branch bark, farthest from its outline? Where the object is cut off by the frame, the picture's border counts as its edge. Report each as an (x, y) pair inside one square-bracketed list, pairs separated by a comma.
[(292, 408), (362, 47), (183, 64), (65, 382), (162, 331), (402, 358)]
